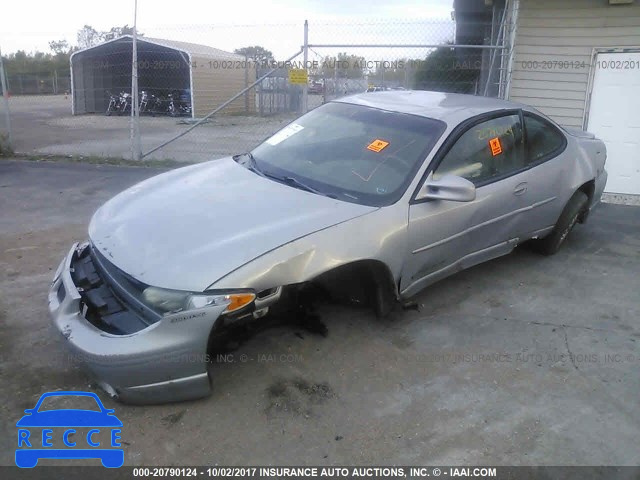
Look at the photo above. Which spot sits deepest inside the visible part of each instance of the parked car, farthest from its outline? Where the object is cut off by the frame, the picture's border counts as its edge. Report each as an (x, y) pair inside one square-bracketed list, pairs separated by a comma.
[(377, 88), (382, 194), (315, 88)]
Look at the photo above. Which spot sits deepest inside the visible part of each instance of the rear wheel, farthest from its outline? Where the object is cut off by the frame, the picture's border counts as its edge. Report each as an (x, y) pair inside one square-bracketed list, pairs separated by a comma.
[(575, 207)]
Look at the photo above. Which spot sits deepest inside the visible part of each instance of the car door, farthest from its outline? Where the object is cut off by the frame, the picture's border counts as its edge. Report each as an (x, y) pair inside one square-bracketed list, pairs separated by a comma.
[(446, 236), (549, 167)]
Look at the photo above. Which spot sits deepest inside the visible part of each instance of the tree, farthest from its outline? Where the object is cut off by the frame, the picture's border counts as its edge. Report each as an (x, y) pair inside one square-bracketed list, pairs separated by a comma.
[(343, 66), (60, 47), (88, 37), (393, 72), (256, 53), (24, 68), (447, 69), (116, 32)]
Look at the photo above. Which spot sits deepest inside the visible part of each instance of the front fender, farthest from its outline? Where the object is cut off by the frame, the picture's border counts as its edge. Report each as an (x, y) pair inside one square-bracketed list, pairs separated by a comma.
[(380, 235)]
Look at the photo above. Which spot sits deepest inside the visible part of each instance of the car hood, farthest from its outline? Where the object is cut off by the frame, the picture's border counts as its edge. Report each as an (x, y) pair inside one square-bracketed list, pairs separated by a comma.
[(188, 228)]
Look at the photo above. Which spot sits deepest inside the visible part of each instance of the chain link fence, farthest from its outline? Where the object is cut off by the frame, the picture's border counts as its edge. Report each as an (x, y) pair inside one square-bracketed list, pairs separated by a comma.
[(6, 135), (204, 93), (39, 83)]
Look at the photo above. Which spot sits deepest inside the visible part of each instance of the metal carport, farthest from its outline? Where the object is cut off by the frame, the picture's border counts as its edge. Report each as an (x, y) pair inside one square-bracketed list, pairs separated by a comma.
[(209, 74)]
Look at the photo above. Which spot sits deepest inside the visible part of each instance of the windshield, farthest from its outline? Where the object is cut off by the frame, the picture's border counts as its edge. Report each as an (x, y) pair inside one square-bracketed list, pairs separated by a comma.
[(351, 152)]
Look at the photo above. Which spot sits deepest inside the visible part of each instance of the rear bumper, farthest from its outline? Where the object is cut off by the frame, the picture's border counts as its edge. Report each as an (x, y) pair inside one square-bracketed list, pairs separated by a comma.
[(600, 182), (164, 362)]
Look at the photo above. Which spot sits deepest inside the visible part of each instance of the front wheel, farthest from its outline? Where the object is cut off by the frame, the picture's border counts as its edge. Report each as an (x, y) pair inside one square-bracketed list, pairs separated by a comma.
[(568, 218)]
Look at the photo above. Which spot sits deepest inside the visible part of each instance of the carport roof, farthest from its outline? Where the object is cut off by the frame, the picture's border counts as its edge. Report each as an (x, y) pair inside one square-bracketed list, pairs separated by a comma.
[(192, 49)]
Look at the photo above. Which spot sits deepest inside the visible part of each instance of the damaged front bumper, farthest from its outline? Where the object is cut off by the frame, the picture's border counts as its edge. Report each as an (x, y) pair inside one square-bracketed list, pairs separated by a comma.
[(163, 361)]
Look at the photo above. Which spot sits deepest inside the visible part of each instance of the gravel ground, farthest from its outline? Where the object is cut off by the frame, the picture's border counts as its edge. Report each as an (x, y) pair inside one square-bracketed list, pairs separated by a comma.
[(43, 125), (621, 199)]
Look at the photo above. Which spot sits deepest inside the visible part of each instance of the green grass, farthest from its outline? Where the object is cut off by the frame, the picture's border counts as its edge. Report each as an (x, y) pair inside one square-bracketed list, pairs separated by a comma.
[(5, 148), (97, 160)]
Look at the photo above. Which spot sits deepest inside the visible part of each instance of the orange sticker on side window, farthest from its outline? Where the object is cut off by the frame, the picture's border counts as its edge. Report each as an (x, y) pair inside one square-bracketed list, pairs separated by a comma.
[(377, 145), (496, 148)]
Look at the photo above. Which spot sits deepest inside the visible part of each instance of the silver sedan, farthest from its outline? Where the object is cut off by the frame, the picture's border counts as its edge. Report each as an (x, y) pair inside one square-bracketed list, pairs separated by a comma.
[(378, 194)]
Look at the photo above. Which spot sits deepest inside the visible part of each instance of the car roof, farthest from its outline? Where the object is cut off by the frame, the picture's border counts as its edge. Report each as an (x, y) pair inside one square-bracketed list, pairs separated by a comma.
[(452, 108)]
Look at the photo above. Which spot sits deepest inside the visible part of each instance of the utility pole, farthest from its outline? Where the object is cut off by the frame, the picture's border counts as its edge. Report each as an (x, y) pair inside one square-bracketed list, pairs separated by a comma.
[(136, 147), (5, 96)]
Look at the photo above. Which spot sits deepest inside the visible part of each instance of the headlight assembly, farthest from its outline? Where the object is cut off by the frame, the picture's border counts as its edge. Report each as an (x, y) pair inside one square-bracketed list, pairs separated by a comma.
[(168, 301)]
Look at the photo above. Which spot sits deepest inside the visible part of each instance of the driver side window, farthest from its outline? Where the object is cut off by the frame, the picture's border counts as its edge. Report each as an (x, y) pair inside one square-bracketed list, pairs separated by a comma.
[(487, 150)]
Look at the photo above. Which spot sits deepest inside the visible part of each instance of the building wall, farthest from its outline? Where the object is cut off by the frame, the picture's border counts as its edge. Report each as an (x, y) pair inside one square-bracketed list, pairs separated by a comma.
[(565, 31), (215, 83)]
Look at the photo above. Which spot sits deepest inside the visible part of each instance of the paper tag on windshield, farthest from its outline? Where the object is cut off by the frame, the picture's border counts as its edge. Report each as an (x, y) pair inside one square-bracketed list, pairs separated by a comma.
[(285, 133), (496, 148), (377, 145)]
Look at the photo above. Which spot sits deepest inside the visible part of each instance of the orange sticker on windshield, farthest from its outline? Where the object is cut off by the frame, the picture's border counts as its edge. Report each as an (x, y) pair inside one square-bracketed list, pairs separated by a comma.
[(496, 148), (377, 145)]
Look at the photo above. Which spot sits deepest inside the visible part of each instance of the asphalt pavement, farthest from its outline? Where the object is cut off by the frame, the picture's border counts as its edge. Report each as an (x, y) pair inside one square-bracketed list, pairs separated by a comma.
[(525, 360)]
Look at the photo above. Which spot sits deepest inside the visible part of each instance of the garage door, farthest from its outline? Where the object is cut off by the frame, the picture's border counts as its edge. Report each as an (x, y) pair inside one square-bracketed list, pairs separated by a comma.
[(614, 116)]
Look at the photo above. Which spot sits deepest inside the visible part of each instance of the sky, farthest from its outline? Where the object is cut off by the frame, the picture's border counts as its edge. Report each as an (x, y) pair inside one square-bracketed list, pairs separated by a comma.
[(276, 24)]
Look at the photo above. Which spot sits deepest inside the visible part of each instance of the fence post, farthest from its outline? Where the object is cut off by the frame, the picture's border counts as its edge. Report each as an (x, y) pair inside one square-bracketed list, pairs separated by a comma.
[(494, 52), (5, 96), (335, 78), (136, 147), (305, 57), (221, 106), (246, 83), (260, 94)]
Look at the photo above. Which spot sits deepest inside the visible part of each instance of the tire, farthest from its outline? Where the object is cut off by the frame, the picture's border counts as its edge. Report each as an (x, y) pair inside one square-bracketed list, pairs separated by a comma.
[(568, 218)]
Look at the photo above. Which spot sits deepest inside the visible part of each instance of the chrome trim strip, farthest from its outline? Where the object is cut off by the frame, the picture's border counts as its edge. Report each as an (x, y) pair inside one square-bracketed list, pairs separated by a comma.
[(456, 266), (484, 224), (175, 382)]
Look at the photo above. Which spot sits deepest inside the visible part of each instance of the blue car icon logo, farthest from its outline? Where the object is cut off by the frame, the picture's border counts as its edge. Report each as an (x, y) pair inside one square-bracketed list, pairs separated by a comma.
[(80, 433)]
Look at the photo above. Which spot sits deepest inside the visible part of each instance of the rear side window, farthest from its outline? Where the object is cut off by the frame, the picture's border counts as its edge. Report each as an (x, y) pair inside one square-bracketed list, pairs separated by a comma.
[(543, 139), (486, 151)]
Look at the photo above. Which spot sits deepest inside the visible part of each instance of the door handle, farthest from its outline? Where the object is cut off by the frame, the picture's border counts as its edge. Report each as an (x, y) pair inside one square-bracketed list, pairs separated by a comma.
[(520, 188)]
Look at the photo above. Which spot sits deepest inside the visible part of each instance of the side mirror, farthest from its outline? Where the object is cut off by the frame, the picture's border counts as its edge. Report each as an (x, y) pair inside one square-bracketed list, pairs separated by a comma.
[(449, 187)]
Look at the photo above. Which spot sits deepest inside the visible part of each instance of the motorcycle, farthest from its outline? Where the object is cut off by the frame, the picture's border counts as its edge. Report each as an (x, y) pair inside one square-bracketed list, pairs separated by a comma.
[(176, 103), (155, 105), (125, 103), (144, 101), (114, 104), (179, 103)]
